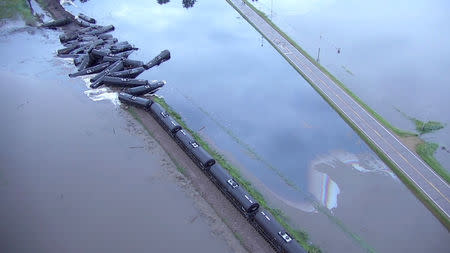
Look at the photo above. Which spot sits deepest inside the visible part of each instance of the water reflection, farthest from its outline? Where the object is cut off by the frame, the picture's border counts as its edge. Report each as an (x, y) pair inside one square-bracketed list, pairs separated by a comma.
[(324, 189), (364, 163), (39, 12)]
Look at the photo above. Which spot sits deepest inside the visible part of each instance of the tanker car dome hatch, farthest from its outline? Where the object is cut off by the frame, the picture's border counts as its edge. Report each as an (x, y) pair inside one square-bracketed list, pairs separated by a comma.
[(194, 144), (285, 236), (232, 183), (164, 114), (133, 98)]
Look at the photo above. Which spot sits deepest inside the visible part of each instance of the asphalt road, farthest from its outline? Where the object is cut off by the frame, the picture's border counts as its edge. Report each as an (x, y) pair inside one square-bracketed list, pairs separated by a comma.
[(432, 185)]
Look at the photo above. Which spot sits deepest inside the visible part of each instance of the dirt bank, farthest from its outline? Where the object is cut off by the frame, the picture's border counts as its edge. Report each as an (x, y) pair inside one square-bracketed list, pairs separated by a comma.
[(411, 142)]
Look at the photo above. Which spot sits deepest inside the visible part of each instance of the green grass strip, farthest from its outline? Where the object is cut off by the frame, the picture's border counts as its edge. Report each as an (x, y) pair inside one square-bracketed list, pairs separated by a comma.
[(427, 127), (14, 9), (431, 206)]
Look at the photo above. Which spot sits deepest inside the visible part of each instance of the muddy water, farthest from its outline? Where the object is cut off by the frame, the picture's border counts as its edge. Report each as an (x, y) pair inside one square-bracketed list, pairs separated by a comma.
[(81, 176), (242, 96), (393, 54)]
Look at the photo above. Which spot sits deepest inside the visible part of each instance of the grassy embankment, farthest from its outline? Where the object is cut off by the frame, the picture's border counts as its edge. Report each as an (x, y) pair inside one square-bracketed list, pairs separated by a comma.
[(401, 133), (15, 9), (426, 151)]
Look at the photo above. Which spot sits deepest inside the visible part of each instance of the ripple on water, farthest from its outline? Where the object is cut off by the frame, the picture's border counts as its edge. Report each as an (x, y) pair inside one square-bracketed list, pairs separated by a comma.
[(364, 162)]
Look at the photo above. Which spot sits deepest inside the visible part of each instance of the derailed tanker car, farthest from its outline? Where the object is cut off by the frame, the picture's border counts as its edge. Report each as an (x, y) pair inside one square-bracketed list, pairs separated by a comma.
[(195, 151), (164, 119), (96, 52), (140, 102), (238, 195), (149, 88)]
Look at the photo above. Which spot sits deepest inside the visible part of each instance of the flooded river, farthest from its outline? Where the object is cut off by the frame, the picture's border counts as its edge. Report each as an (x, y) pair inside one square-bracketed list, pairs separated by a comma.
[(82, 176), (392, 54), (233, 88)]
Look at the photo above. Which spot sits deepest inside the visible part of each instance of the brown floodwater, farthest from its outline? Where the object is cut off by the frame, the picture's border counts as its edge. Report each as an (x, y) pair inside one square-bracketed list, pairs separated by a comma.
[(82, 176)]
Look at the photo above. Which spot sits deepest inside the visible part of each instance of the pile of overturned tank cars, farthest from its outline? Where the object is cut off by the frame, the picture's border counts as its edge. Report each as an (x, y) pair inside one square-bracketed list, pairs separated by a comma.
[(97, 53)]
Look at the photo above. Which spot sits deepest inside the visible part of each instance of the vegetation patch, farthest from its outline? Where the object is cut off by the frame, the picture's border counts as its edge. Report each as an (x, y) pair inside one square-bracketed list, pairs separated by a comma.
[(426, 150), (427, 127), (182, 170), (301, 236), (16, 9), (421, 126), (348, 70)]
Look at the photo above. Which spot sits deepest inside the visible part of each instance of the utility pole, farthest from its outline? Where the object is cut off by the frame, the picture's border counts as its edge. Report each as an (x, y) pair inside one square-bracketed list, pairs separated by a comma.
[(318, 56), (271, 7)]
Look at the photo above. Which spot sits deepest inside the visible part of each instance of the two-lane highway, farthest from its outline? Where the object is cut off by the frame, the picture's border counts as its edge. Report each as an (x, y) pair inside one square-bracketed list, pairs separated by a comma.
[(432, 185)]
